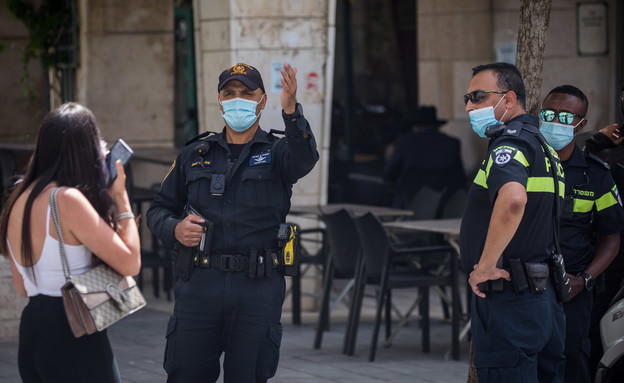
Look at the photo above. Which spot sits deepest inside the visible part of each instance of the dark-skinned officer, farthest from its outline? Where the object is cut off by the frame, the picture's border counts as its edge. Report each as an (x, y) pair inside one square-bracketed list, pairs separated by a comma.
[(507, 236), (238, 184), (591, 220)]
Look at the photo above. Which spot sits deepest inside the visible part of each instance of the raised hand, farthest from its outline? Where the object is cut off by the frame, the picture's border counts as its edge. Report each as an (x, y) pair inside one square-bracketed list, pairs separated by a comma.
[(289, 88)]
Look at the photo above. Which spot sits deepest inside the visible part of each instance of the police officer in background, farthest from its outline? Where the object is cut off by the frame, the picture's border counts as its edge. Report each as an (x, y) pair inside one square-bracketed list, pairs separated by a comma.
[(224, 198), (591, 210), (507, 236)]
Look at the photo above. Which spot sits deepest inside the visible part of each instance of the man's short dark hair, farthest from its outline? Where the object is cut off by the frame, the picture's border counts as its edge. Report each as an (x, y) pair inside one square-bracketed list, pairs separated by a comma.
[(508, 78), (572, 91)]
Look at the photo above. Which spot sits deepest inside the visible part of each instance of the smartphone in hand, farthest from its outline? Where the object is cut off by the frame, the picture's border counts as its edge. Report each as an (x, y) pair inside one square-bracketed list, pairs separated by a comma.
[(119, 151)]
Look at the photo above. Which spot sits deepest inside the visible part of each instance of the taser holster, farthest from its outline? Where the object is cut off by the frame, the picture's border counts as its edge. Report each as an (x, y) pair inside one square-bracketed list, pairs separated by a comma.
[(288, 243)]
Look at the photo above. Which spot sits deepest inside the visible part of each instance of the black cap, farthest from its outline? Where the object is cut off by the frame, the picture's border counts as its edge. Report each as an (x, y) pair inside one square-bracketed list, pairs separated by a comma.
[(244, 73)]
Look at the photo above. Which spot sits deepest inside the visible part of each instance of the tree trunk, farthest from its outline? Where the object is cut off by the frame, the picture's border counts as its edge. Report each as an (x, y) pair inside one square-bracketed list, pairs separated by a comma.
[(532, 33)]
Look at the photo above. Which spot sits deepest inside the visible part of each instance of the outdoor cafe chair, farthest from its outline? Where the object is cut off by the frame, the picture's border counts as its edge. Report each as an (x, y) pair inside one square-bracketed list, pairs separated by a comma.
[(153, 257), (8, 170), (307, 260), (342, 262), (380, 267)]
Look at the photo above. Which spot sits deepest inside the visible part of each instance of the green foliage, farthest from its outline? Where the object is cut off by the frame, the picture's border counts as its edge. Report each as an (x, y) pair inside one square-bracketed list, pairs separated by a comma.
[(44, 24)]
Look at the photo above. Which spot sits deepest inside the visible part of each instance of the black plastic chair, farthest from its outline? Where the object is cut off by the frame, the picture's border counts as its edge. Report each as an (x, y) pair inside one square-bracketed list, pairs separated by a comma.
[(454, 203), (386, 266), (343, 261), (153, 257), (306, 261), (413, 178), (8, 169)]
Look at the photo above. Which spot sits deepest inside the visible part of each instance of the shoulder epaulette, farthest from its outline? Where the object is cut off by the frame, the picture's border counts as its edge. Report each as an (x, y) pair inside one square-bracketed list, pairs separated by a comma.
[(597, 159), (513, 128), (199, 137), (275, 131)]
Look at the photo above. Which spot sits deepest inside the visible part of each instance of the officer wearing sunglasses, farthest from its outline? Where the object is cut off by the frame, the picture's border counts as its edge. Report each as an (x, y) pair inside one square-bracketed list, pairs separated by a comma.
[(591, 210), (517, 332)]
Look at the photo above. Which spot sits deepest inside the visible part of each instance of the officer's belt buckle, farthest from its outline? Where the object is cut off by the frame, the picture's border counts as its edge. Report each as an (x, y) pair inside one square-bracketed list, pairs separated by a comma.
[(229, 262)]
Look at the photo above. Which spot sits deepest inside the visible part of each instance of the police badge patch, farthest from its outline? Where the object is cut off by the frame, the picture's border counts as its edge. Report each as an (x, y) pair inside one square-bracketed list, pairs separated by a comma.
[(259, 159), (503, 155)]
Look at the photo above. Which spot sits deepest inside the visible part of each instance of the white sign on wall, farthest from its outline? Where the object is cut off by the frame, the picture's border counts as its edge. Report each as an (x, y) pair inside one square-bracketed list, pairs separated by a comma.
[(591, 29)]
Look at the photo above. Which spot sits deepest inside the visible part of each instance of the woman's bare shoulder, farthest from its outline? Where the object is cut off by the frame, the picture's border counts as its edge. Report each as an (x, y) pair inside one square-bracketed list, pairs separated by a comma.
[(73, 204), (72, 197)]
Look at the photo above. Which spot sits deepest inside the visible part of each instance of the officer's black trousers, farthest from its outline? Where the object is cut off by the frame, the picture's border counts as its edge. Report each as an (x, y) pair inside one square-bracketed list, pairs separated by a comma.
[(49, 352), (518, 337), (577, 343), (219, 312)]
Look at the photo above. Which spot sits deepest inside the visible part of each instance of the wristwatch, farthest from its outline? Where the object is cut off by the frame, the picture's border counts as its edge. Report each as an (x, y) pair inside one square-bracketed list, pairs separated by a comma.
[(293, 116), (589, 281)]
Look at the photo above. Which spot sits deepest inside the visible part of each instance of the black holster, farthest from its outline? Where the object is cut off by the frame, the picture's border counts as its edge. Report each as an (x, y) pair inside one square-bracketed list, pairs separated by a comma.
[(183, 258), (518, 279), (261, 263), (560, 279), (537, 275)]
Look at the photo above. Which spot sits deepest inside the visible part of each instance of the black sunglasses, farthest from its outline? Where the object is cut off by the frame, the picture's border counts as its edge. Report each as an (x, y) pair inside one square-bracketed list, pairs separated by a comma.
[(477, 96), (564, 117)]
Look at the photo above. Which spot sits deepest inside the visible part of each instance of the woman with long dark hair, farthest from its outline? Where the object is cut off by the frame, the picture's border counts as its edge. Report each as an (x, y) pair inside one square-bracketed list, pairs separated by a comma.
[(94, 221)]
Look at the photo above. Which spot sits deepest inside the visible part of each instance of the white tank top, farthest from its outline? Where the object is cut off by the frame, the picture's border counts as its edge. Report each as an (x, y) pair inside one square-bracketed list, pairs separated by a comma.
[(48, 271)]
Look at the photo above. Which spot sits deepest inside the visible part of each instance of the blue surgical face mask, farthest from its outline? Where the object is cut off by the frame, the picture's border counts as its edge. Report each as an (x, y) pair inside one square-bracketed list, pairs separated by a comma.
[(482, 118), (240, 114), (558, 135)]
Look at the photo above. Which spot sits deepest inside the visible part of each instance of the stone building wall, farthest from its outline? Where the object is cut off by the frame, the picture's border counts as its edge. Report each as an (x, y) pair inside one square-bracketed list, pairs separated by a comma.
[(20, 117), (126, 73)]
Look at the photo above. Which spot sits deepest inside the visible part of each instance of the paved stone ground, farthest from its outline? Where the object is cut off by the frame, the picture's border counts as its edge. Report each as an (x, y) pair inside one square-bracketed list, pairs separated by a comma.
[(138, 343)]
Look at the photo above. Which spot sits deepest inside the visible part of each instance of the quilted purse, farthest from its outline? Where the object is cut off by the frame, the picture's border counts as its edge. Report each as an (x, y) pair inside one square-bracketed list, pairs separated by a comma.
[(98, 298)]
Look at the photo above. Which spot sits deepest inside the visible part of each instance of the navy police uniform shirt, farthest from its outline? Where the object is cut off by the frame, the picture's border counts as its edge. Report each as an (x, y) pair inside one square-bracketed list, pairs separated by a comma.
[(514, 156), (250, 194), (592, 206)]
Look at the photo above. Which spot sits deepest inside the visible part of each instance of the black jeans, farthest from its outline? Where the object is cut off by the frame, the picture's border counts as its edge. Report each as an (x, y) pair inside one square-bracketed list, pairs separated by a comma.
[(49, 352)]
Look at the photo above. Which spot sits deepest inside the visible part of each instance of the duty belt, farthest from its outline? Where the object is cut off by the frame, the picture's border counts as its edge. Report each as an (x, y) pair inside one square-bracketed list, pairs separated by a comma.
[(532, 277), (234, 262)]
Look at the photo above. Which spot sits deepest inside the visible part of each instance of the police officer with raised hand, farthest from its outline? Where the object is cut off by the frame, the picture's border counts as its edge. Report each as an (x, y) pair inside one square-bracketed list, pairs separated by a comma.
[(591, 209), (507, 236), (219, 209)]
